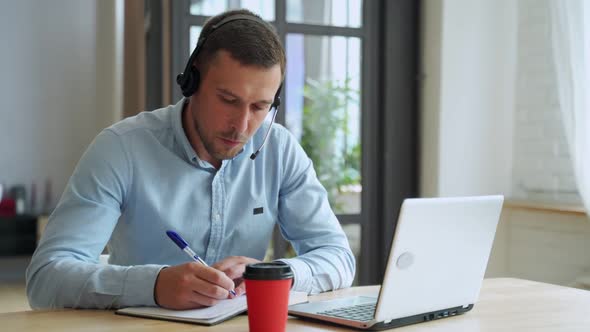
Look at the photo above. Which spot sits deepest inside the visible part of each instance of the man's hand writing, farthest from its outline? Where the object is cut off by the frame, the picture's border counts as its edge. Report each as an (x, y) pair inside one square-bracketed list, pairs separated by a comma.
[(191, 285)]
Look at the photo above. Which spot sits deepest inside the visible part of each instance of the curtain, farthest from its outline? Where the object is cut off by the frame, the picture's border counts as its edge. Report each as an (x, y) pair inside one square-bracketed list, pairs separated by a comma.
[(570, 34)]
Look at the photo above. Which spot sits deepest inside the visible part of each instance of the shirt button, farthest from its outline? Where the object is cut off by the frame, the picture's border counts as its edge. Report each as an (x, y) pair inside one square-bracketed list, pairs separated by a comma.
[(216, 217)]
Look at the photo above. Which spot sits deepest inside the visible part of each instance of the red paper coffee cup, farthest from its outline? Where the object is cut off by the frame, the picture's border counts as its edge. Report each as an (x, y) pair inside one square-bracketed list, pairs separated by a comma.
[(267, 294)]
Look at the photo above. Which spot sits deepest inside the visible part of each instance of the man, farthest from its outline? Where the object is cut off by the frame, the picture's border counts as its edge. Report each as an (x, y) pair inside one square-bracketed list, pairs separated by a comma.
[(187, 168)]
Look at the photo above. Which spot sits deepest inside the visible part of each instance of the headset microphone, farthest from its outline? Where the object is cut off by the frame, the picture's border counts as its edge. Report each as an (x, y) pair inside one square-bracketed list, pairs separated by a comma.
[(276, 106)]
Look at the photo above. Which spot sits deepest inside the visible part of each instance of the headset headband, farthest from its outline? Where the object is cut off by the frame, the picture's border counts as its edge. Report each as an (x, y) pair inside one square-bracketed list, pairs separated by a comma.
[(189, 78)]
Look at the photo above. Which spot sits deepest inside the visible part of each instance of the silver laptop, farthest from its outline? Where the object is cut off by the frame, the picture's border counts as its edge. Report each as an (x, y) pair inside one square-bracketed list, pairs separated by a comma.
[(436, 265)]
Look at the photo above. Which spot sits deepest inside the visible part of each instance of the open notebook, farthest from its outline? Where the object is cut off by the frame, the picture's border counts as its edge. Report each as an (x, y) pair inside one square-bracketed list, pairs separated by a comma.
[(218, 313)]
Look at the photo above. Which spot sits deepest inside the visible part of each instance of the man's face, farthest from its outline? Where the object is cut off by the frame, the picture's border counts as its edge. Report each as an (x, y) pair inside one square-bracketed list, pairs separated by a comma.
[(230, 105)]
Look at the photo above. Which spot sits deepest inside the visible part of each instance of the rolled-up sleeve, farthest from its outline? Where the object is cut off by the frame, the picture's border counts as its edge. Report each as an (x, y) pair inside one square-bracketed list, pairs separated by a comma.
[(64, 270)]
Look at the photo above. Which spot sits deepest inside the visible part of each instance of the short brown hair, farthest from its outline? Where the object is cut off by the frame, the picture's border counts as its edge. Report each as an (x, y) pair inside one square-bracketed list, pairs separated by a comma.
[(248, 42)]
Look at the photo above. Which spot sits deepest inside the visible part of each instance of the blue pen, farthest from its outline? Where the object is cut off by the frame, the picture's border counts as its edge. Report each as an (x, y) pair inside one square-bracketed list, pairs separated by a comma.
[(183, 245)]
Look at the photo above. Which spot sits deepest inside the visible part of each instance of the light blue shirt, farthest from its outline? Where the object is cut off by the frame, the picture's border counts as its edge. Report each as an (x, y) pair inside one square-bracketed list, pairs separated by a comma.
[(141, 177)]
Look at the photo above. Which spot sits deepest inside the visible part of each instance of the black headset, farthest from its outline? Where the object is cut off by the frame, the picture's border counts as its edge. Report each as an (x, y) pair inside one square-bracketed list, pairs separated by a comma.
[(189, 79)]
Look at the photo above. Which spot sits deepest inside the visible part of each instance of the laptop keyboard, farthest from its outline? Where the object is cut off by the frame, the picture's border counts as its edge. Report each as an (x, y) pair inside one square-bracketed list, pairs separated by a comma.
[(359, 312)]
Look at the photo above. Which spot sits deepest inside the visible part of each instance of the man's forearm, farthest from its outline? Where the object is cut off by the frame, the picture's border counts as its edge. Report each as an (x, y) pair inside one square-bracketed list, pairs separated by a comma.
[(71, 283), (322, 269)]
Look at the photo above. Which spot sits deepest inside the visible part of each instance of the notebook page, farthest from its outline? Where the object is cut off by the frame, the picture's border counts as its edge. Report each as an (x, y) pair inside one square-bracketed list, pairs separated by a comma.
[(220, 309)]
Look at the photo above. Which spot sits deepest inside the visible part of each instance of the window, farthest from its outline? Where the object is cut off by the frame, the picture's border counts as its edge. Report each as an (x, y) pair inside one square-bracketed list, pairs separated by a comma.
[(264, 8), (323, 111), (345, 13), (323, 90), (341, 94)]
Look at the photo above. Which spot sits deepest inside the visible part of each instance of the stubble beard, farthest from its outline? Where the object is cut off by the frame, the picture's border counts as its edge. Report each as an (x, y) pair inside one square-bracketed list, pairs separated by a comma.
[(210, 145)]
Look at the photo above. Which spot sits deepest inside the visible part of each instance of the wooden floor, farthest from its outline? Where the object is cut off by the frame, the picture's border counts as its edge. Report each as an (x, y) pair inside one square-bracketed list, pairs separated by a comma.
[(13, 297)]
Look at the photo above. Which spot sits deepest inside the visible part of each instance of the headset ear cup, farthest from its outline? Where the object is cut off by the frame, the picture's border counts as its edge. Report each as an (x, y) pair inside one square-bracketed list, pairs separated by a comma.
[(277, 102), (191, 85)]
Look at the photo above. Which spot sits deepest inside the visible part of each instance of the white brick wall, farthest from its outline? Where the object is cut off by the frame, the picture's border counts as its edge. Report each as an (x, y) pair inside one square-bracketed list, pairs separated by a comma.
[(542, 168)]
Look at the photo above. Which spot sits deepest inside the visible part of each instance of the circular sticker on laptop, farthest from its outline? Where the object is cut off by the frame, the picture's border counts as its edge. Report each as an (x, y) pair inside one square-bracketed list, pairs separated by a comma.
[(405, 260)]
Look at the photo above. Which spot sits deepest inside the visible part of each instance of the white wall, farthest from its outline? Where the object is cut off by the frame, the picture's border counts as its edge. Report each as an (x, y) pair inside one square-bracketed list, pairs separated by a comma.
[(58, 88), (468, 57), (542, 245), (543, 169), (469, 60)]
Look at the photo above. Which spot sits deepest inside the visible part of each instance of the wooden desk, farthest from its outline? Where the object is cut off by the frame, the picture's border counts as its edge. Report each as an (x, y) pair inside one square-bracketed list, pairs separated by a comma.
[(504, 305)]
